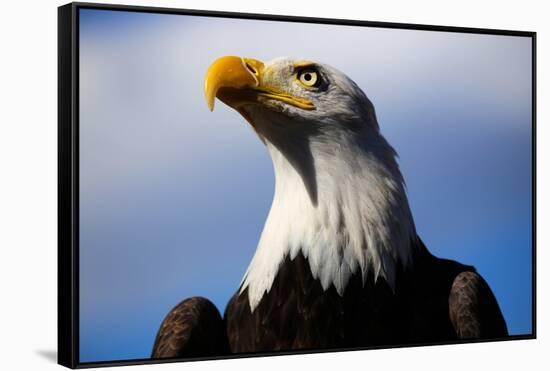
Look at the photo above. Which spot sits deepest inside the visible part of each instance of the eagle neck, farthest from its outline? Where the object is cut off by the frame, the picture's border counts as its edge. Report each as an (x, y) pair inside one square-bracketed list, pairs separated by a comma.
[(342, 204)]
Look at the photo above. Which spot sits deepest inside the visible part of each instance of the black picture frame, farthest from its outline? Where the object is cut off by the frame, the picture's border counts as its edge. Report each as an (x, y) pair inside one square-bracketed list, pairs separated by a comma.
[(68, 170)]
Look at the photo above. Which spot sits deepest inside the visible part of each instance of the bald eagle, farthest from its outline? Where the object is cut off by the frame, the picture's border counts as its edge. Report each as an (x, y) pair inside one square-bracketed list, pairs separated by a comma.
[(339, 263)]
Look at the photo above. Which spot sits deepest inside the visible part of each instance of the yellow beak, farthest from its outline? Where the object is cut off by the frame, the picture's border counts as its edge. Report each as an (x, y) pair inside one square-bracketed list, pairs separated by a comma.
[(237, 81)]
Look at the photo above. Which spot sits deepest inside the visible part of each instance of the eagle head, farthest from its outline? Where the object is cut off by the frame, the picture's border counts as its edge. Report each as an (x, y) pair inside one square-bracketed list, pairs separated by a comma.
[(316, 98), (339, 195)]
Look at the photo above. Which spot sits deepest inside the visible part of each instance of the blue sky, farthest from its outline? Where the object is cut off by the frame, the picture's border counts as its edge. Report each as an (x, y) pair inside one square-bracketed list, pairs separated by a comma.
[(173, 197)]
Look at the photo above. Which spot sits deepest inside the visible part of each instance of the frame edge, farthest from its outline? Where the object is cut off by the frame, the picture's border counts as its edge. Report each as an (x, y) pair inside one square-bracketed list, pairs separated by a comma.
[(301, 19), (67, 348)]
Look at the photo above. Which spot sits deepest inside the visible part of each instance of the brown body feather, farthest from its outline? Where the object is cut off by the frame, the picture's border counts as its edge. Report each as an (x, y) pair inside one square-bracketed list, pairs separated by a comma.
[(193, 328), (473, 309), (436, 300)]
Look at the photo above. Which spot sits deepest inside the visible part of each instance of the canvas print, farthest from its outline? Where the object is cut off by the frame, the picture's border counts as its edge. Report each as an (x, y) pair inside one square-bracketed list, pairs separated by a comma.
[(254, 186)]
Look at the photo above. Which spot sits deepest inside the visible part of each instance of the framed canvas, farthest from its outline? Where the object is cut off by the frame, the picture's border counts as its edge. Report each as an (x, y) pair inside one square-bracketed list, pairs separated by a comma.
[(235, 185)]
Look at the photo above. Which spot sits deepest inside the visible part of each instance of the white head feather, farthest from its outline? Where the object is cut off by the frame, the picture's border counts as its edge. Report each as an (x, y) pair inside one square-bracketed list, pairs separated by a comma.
[(339, 195)]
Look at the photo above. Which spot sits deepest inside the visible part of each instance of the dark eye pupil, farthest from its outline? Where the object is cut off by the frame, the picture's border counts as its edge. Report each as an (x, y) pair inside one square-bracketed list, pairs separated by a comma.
[(307, 77)]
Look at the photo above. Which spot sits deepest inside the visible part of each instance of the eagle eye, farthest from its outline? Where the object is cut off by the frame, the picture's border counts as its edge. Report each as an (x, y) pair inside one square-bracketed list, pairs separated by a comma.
[(309, 77)]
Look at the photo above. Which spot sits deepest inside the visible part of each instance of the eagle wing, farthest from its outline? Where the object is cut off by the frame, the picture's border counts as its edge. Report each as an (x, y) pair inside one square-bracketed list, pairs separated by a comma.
[(193, 328), (473, 309)]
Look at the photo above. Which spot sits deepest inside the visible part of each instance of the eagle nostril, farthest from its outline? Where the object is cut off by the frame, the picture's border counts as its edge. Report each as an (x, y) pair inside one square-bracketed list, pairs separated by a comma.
[(251, 69)]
